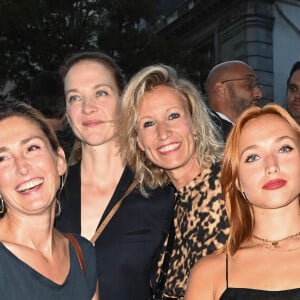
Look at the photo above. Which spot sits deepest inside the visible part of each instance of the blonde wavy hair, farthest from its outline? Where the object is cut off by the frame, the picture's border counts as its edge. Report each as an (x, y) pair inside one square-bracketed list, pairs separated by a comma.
[(208, 148)]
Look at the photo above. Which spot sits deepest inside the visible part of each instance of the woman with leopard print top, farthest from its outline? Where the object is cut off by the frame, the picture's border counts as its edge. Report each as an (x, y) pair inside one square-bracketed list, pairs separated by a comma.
[(171, 139)]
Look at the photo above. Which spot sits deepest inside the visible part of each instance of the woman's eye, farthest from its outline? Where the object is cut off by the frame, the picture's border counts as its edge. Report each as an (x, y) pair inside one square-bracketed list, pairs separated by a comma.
[(252, 158), (286, 149), (173, 116), (148, 124), (101, 93), (74, 98), (33, 147), (3, 158)]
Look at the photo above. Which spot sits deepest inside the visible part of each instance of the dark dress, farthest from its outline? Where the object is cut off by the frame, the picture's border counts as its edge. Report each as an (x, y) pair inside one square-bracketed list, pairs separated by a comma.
[(128, 248), (19, 281), (252, 294)]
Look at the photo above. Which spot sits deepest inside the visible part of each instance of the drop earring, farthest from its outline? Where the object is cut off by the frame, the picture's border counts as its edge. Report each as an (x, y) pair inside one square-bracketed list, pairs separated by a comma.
[(58, 204)]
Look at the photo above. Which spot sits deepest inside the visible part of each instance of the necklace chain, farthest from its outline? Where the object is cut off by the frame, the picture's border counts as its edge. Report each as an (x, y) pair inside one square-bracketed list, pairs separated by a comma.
[(275, 243), (282, 250)]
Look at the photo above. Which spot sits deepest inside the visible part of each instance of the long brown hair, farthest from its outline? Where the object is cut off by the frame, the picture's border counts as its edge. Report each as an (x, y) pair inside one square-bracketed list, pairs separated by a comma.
[(240, 210)]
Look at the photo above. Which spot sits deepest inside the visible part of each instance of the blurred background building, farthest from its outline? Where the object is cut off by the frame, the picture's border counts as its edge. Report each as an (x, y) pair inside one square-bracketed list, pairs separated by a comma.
[(191, 35), (263, 33)]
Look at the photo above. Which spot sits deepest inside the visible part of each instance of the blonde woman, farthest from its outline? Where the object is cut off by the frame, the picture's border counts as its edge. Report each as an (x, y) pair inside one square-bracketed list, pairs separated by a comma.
[(168, 137)]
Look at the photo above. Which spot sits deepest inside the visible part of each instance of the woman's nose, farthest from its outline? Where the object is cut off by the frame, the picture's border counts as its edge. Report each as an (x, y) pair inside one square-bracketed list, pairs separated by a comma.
[(89, 105), (163, 131), (272, 166), (23, 166)]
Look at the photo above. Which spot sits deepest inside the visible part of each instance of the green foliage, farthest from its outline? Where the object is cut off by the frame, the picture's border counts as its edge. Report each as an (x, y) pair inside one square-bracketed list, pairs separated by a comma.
[(38, 35)]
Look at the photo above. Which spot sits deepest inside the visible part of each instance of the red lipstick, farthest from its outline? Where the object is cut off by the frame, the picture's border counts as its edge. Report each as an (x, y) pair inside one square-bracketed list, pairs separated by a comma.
[(274, 184)]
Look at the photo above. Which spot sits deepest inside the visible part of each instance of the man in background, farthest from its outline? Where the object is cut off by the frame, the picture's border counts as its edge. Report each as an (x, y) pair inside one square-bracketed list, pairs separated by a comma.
[(231, 88), (46, 94), (293, 92)]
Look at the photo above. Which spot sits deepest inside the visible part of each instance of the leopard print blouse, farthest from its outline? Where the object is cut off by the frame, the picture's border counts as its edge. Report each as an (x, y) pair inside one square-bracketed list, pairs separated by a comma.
[(201, 227)]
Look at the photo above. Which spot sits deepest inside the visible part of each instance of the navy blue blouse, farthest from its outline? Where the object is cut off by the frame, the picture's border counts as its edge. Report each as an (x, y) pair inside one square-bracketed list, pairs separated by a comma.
[(128, 248)]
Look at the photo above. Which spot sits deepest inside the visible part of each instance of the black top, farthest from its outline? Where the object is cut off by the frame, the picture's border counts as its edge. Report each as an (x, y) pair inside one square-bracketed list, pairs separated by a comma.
[(19, 281), (252, 294), (223, 125), (128, 248)]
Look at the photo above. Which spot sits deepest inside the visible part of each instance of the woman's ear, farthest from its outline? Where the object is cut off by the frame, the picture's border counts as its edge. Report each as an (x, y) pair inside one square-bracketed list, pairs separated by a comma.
[(140, 144), (238, 185), (241, 190), (68, 119), (61, 161)]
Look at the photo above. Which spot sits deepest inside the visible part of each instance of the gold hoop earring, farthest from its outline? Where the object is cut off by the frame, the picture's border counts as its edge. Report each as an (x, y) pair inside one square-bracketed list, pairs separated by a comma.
[(62, 184), (58, 204), (2, 205)]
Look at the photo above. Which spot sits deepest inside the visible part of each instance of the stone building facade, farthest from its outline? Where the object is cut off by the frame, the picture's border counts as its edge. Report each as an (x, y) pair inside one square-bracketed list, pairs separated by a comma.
[(263, 33)]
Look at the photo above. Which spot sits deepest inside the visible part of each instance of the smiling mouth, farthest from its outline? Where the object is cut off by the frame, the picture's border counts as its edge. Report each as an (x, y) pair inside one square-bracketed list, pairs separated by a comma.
[(169, 147), (29, 185)]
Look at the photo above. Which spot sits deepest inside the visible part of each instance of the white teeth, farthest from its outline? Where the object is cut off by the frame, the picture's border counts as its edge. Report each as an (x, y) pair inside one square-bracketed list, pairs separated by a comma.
[(169, 147), (29, 185)]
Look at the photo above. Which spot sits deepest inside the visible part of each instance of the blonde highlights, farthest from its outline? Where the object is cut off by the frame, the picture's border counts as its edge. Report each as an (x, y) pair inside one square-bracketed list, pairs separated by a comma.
[(208, 149)]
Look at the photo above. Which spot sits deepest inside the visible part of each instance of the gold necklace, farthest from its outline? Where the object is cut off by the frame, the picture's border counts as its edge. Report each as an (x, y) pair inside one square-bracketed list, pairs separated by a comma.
[(275, 243), (281, 249)]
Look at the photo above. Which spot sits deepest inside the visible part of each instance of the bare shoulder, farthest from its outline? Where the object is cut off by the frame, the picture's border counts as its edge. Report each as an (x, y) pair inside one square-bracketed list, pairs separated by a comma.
[(208, 278), (212, 262)]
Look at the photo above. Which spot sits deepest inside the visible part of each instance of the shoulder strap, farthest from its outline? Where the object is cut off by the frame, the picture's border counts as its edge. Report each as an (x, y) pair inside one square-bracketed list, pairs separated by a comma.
[(226, 271), (112, 212), (78, 250)]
